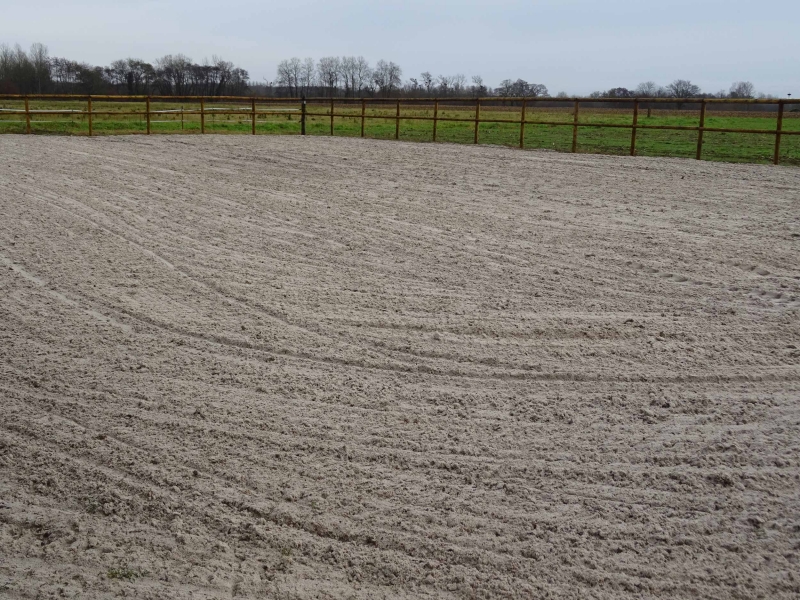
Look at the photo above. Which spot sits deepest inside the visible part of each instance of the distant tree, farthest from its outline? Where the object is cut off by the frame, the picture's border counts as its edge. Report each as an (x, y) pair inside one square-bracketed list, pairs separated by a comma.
[(308, 76), (329, 69), (619, 92), (363, 74), (90, 79), (742, 89), (538, 90), (682, 88), (459, 84), (412, 88), (427, 81), (355, 73), (445, 85), (562, 95), (647, 89), (17, 71), (505, 87), (140, 76), (387, 77), (520, 88), (40, 61), (478, 88), (173, 74), (345, 74), (289, 75)]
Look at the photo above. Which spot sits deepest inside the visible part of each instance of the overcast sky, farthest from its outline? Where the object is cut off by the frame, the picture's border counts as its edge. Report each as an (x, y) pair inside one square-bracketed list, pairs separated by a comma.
[(576, 46)]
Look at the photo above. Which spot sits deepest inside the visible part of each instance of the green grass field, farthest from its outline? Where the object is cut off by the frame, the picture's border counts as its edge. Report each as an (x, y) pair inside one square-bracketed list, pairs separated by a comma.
[(733, 147)]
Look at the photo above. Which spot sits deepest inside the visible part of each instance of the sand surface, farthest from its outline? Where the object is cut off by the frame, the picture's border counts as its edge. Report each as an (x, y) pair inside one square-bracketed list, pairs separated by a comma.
[(284, 367)]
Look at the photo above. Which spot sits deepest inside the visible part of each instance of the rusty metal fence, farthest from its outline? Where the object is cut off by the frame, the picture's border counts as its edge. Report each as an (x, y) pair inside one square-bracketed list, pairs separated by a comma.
[(524, 103)]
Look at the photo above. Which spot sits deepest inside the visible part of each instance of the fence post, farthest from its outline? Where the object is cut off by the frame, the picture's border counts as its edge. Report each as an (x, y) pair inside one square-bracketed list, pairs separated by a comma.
[(701, 129), (635, 123), (777, 158), (303, 115), (522, 126), (27, 116), (147, 110), (575, 127), (254, 116), (435, 116), (331, 115), (477, 118), (202, 115), (89, 111), (397, 122), (363, 112)]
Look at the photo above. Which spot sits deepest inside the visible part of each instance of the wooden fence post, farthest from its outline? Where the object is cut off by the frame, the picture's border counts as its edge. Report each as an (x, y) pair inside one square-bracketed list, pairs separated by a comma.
[(254, 116), (777, 158), (701, 129), (477, 118), (435, 116), (89, 111), (181, 117), (27, 116), (397, 122), (303, 115), (147, 110), (363, 112), (575, 127), (635, 123), (522, 125), (202, 115), (331, 115)]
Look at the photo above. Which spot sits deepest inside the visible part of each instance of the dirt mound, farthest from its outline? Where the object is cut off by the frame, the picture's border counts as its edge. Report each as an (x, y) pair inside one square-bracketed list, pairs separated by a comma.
[(337, 368)]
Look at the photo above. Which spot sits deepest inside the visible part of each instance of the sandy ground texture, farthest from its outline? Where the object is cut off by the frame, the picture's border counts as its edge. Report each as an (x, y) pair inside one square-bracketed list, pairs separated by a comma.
[(284, 367)]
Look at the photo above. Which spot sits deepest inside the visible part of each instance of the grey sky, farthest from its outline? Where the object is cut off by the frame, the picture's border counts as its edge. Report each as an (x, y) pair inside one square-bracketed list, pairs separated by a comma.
[(572, 45)]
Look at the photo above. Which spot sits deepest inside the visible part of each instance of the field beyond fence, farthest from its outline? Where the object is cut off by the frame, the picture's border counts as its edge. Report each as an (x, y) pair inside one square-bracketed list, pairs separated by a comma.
[(715, 129)]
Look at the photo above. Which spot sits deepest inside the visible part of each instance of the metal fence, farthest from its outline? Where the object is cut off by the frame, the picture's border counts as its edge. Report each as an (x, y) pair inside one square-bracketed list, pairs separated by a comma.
[(471, 103)]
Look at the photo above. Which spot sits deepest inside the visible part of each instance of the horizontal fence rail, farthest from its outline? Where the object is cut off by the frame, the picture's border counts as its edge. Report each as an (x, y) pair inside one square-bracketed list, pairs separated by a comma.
[(252, 111)]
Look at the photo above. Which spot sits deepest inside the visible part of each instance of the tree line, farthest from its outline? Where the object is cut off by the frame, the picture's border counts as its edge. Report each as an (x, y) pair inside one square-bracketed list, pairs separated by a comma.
[(353, 76), (680, 88), (36, 72), (350, 76)]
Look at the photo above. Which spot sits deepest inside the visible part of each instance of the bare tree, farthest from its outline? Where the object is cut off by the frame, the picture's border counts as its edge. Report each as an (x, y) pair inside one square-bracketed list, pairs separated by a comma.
[(427, 82), (355, 73), (537, 90), (647, 89), (682, 88), (478, 88), (412, 88), (347, 69), (387, 77), (458, 83), (289, 75), (329, 70), (619, 92), (445, 85), (41, 65), (742, 89), (308, 73), (363, 74), (505, 88), (174, 72)]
